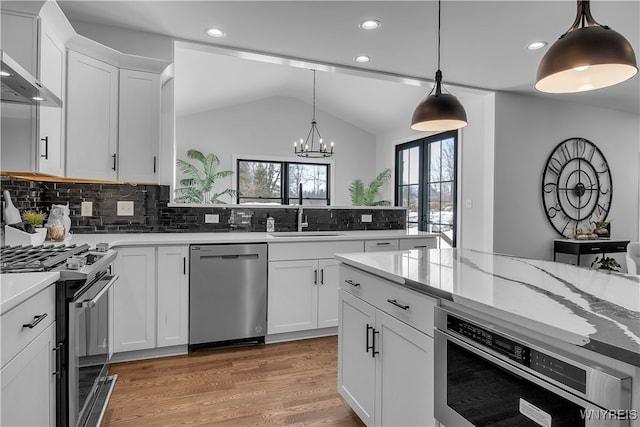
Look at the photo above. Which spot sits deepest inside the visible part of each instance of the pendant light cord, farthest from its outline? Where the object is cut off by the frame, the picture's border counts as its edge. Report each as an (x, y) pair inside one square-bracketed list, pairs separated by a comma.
[(439, 9), (313, 119)]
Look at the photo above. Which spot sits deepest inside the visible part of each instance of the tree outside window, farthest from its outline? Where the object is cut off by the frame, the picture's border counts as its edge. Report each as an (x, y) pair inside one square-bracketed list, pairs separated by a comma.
[(280, 182)]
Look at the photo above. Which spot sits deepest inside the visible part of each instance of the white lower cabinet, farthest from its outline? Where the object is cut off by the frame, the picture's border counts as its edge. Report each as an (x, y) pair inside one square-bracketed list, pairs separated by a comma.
[(302, 295), (28, 384), (173, 295), (385, 365), (151, 297), (135, 299)]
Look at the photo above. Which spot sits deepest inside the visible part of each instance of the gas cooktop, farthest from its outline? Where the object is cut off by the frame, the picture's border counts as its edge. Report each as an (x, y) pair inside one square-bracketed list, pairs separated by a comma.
[(73, 262)]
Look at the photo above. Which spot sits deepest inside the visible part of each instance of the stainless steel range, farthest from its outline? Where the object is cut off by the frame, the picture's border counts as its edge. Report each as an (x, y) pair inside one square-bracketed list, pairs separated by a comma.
[(83, 345)]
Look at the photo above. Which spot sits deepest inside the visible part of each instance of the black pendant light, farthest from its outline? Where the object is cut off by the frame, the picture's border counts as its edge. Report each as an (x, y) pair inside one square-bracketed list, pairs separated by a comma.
[(307, 148), (438, 111), (588, 56)]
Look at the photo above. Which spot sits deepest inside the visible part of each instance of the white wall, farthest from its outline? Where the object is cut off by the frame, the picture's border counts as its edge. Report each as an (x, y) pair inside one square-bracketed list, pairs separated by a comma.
[(527, 130), (268, 127)]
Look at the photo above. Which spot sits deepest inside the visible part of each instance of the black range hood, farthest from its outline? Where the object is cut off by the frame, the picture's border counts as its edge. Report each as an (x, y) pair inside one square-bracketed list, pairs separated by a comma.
[(19, 86)]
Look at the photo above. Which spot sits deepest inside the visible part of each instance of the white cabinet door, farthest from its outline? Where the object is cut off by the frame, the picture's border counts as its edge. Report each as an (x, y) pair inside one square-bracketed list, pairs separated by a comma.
[(356, 365), (173, 295), (139, 124), (28, 384), (92, 118), (135, 299), (51, 159), (328, 292), (404, 374), (292, 296)]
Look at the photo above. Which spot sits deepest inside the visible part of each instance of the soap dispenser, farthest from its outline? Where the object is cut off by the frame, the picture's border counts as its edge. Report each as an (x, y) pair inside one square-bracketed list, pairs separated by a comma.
[(271, 224)]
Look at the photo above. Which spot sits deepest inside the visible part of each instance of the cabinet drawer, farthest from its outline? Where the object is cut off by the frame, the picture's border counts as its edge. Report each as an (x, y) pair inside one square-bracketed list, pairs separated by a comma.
[(311, 250), (411, 307), (381, 245), (421, 243), (15, 336)]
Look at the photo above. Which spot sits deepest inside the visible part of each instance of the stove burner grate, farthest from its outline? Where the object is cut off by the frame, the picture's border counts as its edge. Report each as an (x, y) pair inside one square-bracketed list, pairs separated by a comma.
[(36, 258)]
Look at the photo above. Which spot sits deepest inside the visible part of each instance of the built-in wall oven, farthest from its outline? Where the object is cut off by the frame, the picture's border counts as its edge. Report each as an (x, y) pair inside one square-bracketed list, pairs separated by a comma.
[(488, 375)]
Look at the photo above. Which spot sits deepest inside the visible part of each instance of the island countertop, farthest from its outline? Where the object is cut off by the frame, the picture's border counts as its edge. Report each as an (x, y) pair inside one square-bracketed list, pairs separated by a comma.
[(596, 310)]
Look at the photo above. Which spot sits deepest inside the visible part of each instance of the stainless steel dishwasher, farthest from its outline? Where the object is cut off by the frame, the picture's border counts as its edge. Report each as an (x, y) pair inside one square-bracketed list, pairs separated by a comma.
[(227, 294)]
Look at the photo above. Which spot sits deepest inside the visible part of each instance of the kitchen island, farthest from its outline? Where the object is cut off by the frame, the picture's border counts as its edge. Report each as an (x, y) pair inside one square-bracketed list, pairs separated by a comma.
[(388, 302)]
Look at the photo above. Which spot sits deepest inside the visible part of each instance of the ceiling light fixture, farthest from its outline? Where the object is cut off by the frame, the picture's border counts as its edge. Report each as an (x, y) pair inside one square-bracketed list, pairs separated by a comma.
[(216, 32), (306, 148), (588, 56), (440, 111), (37, 98), (370, 24), (537, 45), (362, 59)]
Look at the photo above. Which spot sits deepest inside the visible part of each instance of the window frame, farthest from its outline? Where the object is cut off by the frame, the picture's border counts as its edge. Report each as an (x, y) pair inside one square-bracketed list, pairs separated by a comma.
[(424, 177), (284, 199)]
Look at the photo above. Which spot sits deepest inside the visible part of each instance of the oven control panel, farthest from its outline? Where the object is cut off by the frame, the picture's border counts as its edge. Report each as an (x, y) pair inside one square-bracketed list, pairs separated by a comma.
[(533, 359)]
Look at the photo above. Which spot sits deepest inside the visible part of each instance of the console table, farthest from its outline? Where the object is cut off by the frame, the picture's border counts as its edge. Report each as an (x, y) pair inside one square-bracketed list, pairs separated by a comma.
[(585, 247)]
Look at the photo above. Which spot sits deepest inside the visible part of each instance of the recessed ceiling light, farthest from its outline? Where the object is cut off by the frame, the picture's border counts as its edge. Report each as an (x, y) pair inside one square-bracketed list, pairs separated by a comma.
[(536, 45), (362, 59), (5, 73), (216, 32), (370, 24), (37, 98)]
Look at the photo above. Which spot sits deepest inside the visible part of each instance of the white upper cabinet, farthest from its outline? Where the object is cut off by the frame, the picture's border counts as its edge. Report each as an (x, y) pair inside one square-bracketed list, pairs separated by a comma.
[(51, 159), (92, 118), (139, 134)]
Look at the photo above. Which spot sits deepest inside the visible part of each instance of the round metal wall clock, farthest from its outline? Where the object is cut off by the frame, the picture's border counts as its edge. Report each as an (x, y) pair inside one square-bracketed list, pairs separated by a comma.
[(576, 186)]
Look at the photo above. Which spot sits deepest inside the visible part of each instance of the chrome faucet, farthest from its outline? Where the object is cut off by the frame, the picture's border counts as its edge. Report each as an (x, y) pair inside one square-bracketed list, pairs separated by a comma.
[(301, 224)]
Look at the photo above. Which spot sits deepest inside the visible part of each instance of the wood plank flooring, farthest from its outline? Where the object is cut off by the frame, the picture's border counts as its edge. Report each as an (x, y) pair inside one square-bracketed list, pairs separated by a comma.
[(283, 384)]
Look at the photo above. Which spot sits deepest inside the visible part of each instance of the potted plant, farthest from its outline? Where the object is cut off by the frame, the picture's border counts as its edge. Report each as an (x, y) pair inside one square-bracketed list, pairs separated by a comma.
[(361, 196), (197, 188), (602, 227), (605, 263), (35, 218)]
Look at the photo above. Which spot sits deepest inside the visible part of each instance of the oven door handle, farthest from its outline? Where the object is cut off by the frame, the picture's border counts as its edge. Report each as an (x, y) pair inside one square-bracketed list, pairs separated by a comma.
[(90, 303)]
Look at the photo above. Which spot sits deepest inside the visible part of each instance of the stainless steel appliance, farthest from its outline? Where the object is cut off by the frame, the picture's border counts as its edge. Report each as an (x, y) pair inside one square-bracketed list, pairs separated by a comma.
[(227, 294), (487, 374), (83, 383)]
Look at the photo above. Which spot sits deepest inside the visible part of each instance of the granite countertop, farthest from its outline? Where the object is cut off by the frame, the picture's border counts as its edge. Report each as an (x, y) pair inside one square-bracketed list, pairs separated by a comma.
[(595, 310), (140, 239), (18, 287)]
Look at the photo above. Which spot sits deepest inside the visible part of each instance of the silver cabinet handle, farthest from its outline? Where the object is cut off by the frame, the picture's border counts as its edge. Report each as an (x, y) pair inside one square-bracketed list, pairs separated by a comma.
[(93, 301), (58, 359), (352, 283), (36, 320), (397, 304)]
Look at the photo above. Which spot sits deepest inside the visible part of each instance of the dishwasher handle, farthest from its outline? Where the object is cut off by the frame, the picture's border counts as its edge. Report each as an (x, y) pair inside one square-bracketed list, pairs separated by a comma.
[(233, 256)]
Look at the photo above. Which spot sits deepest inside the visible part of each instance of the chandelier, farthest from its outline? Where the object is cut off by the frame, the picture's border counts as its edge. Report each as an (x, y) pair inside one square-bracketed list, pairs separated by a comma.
[(306, 148)]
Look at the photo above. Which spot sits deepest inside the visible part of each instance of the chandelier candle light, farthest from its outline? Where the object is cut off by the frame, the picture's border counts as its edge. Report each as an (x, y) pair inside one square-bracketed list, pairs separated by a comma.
[(306, 148)]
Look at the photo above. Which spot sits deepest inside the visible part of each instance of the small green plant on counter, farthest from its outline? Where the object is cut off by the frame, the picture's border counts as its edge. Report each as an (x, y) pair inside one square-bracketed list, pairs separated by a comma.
[(361, 196), (197, 188), (34, 218), (605, 263)]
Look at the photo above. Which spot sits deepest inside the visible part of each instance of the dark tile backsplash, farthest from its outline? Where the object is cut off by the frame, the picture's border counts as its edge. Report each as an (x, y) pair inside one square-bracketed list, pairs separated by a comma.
[(153, 215)]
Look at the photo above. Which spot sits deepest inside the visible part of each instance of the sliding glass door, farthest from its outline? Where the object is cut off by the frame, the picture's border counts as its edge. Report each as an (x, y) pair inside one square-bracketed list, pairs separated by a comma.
[(426, 171)]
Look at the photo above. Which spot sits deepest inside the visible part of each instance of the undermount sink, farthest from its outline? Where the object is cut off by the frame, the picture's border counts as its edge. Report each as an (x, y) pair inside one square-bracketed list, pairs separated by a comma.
[(304, 234)]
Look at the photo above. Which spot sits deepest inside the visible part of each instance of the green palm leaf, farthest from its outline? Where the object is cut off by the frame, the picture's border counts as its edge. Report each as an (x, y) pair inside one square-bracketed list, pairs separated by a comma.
[(202, 174)]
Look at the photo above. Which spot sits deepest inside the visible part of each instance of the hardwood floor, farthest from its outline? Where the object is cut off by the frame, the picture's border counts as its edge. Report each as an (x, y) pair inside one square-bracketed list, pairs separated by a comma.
[(284, 384)]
